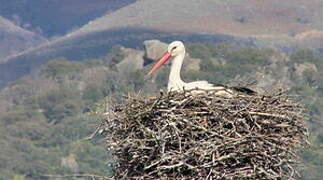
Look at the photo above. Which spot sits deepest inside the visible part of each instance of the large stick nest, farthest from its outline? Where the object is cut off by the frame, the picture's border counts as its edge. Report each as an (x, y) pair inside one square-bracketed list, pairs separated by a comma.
[(184, 136)]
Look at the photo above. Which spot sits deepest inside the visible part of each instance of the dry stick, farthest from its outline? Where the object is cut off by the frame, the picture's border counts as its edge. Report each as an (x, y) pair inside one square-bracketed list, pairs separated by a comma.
[(93, 134), (171, 166), (268, 114)]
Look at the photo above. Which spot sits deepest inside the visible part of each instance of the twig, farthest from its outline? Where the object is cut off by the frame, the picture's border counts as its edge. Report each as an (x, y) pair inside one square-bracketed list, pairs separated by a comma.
[(268, 114), (93, 134)]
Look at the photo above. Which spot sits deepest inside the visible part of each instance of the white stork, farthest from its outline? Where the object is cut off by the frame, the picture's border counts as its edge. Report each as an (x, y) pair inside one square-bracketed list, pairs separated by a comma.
[(176, 50)]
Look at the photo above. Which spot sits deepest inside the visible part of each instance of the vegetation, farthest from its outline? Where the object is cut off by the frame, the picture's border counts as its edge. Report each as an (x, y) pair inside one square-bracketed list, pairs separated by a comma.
[(45, 116)]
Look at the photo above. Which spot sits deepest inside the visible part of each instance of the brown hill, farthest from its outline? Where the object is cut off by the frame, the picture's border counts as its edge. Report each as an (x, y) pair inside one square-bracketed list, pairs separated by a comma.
[(240, 18)]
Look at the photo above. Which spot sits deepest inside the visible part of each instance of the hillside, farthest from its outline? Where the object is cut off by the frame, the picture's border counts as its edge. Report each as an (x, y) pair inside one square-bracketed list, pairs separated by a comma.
[(250, 18), (274, 24), (14, 39), (54, 18)]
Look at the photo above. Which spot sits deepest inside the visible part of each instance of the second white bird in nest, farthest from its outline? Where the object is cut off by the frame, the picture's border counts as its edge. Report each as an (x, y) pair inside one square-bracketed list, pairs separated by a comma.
[(176, 51)]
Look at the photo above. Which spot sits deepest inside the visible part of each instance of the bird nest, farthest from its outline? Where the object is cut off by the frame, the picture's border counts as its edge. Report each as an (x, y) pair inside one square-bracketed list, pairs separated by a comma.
[(204, 136)]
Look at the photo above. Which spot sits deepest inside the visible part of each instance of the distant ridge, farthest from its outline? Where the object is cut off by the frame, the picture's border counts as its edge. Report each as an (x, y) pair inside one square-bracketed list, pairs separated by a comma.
[(56, 18), (14, 39)]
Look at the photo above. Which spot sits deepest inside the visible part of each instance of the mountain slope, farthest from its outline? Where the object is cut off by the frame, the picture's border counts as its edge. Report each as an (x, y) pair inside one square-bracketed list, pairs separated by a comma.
[(14, 39), (242, 18), (56, 17)]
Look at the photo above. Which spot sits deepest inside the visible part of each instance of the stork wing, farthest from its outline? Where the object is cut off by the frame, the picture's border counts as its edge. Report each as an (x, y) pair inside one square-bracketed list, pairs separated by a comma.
[(202, 85)]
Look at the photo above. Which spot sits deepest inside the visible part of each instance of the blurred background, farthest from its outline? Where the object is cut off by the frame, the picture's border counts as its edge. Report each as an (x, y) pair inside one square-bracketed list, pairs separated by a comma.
[(61, 60)]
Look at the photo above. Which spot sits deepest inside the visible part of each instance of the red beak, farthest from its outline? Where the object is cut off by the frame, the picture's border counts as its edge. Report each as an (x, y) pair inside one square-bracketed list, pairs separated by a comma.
[(162, 61)]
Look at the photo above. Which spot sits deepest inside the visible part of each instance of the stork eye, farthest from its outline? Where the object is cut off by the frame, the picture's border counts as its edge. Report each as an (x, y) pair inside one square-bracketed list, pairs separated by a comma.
[(174, 48)]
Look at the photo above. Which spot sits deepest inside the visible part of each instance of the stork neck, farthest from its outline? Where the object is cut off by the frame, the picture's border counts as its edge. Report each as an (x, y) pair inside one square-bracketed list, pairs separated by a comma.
[(175, 71)]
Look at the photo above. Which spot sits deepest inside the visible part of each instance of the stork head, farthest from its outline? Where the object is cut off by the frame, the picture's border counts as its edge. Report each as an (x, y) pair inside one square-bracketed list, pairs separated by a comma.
[(174, 49)]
